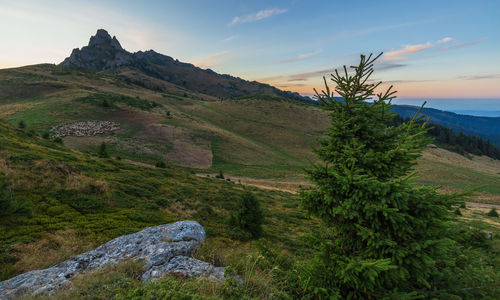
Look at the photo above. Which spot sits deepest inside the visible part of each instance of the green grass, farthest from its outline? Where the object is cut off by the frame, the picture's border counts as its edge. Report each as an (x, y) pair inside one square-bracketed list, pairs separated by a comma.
[(65, 202), (100, 199), (449, 175), (255, 136)]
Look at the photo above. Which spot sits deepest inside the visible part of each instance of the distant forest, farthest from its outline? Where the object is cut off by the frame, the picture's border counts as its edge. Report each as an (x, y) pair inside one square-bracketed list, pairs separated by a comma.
[(456, 142)]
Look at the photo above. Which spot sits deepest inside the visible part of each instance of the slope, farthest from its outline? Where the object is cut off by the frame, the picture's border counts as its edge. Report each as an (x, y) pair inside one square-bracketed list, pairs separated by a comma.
[(56, 202), (267, 137)]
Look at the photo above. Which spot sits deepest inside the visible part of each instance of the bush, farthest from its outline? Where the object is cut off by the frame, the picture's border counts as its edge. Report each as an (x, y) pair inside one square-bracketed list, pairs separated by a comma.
[(493, 213), (46, 135), (102, 152), (221, 175), (105, 103), (86, 203), (21, 124), (31, 133), (248, 216), (58, 140), (161, 164)]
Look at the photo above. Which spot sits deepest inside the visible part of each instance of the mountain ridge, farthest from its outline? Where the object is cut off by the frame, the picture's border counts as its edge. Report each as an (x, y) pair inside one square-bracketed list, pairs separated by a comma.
[(104, 52)]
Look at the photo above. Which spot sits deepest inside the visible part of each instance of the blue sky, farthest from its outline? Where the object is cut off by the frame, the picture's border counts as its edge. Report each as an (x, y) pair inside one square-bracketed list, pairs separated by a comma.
[(433, 49)]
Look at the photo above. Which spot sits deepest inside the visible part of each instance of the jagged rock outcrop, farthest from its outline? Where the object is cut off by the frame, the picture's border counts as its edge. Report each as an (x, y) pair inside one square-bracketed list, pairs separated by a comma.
[(104, 52), (163, 248), (84, 128)]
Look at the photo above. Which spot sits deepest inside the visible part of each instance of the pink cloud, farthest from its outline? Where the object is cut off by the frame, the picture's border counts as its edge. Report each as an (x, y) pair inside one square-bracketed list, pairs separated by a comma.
[(399, 55), (445, 40)]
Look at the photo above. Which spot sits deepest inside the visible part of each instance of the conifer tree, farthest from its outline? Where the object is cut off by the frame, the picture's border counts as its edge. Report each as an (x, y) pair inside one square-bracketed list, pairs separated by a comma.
[(383, 236), (249, 216), (102, 152)]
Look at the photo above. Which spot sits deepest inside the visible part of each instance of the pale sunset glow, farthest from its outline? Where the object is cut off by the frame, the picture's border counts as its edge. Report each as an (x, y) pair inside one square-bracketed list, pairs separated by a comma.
[(449, 51)]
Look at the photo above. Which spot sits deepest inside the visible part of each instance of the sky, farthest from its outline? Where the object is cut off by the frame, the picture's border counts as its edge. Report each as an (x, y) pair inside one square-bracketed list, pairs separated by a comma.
[(432, 49)]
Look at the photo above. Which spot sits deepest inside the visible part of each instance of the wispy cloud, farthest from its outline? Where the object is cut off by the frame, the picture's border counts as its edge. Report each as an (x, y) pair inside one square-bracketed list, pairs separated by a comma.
[(464, 44), (387, 66), (444, 40), (300, 57), (213, 60), (374, 29), (480, 77), (262, 14), (231, 38), (306, 75), (400, 54)]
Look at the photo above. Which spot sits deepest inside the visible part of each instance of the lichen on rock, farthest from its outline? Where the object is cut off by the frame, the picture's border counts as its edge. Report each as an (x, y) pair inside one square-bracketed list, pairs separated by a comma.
[(163, 248)]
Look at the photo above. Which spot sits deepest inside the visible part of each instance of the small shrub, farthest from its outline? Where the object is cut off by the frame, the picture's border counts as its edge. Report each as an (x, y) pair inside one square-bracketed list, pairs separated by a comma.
[(458, 212), (31, 133), (161, 164), (46, 135), (493, 213), (221, 175), (58, 140), (205, 211), (102, 151), (86, 203), (162, 202), (21, 124)]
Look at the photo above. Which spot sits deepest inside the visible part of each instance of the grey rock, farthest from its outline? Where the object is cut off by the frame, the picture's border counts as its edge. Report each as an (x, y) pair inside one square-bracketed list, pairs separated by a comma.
[(102, 52), (163, 248), (102, 37), (184, 267)]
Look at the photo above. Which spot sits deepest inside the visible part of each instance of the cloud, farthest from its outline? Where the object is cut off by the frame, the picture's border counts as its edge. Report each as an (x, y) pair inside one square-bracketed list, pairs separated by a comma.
[(387, 66), (306, 75), (363, 31), (231, 38), (406, 81), (300, 57), (464, 44), (399, 55), (480, 77), (213, 60), (262, 14), (444, 40)]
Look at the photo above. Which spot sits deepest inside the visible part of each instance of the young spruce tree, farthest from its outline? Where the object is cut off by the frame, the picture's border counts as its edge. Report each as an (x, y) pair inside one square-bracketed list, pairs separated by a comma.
[(383, 237)]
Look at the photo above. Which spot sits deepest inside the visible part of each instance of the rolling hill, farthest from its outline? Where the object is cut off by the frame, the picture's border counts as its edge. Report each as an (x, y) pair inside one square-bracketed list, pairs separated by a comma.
[(483, 127), (262, 136), (59, 197)]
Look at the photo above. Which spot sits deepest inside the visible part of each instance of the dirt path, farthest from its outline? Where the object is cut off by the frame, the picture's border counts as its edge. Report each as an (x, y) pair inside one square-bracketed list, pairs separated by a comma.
[(267, 184), (475, 204), (293, 186)]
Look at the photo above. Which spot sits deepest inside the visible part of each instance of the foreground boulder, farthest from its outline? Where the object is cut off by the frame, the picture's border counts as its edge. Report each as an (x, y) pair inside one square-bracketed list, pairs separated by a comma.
[(164, 249)]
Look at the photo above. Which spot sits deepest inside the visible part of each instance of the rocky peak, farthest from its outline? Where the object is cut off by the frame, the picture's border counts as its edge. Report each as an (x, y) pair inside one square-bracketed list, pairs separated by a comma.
[(102, 37), (103, 52)]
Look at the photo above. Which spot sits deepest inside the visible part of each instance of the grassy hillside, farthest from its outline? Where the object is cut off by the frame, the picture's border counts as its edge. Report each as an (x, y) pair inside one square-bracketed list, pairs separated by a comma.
[(252, 138), (61, 200), (57, 202)]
